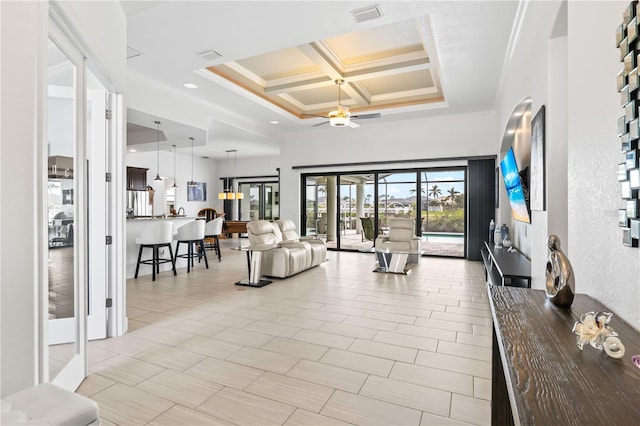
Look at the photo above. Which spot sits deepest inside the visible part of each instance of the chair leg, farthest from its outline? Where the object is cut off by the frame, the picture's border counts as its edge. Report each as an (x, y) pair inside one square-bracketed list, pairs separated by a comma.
[(154, 262), (203, 253), (173, 260), (138, 264), (218, 248), (189, 256), (175, 257)]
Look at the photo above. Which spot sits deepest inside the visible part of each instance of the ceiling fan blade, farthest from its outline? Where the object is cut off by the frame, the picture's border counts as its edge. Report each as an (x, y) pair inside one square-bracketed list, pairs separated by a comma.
[(364, 116), (314, 115), (320, 124), (352, 124)]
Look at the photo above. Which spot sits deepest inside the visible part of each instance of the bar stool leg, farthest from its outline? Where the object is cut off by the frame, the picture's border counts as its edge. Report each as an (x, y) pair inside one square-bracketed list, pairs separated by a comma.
[(138, 264), (173, 260), (203, 252), (154, 259)]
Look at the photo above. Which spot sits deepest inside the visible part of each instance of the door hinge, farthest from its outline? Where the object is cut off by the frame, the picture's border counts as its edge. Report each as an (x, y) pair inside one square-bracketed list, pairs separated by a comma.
[(109, 240), (109, 302), (108, 177), (108, 114)]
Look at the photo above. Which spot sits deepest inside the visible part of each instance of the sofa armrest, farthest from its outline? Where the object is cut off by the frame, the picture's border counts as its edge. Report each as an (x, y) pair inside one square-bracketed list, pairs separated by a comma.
[(261, 247), (289, 243), (380, 239)]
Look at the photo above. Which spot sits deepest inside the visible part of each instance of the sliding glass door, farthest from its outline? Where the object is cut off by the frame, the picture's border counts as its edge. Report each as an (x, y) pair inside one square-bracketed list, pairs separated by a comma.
[(336, 205), (261, 201), (443, 216)]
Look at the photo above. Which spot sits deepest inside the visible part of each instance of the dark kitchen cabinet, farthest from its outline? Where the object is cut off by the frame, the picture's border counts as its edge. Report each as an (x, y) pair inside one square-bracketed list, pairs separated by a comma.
[(137, 178)]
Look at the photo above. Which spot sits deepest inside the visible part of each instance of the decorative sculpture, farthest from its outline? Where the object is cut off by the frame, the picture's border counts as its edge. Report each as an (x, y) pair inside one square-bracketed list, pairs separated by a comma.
[(560, 286), (593, 328)]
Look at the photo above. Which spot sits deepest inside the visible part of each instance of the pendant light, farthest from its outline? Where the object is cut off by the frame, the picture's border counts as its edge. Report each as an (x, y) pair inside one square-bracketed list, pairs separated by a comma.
[(191, 183), (238, 195), (223, 195), (174, 167), (229, 193), (157, 178)]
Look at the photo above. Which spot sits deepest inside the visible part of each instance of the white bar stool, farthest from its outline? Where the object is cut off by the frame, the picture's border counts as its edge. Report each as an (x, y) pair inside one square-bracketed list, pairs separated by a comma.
[(155, 235), (213, 229), (191, 233)]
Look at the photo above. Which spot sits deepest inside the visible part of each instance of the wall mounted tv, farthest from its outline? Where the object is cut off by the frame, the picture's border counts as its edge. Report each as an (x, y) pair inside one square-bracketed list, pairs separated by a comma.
[(515, 188)]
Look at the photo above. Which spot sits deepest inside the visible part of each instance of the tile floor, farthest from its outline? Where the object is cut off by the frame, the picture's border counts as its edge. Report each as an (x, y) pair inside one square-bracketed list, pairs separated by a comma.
[(335, 345)]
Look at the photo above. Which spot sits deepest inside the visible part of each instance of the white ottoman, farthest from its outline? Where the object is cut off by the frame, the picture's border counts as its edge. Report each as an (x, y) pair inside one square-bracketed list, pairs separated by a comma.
[(47, 404)]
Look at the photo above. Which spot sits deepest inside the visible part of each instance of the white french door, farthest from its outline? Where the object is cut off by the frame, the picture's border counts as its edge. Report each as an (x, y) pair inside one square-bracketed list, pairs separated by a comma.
[(79, 197), (66, 212)]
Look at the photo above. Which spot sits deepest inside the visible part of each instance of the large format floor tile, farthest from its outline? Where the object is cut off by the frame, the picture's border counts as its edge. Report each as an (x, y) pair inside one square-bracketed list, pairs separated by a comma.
[(335, 345)]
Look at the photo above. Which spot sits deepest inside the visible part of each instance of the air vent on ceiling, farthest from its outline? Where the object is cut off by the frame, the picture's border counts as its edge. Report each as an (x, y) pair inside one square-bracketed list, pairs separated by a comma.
[(132, 53), (209, 55), (367, 13)]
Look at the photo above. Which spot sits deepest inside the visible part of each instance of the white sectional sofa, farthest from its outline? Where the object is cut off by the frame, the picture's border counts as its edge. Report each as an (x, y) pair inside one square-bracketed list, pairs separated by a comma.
[(289, 254)]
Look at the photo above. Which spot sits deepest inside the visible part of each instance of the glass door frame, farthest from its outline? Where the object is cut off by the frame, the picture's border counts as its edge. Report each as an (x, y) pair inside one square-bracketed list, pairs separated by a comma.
[(261, 197), (376, 178)]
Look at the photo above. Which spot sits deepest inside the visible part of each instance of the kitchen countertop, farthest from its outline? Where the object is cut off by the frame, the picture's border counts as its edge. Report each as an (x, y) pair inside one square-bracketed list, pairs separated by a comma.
[(160, 217)]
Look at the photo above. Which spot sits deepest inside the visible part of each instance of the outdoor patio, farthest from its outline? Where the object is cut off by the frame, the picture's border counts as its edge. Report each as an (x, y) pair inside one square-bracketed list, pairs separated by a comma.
[(434, 245)]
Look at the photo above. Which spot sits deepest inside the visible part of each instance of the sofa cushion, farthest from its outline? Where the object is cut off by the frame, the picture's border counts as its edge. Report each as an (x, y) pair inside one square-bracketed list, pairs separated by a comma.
[(400, 234), (263, 232), (288, 229)]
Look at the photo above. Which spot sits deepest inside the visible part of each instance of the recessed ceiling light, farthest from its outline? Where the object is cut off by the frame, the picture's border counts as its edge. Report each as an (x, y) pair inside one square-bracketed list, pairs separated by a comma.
[(190, 85), (274, 122), (132, 150)]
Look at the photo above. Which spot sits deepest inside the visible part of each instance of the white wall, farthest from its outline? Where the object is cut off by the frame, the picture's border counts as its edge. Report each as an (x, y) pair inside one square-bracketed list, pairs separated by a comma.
[(23, 55), (604, 268), (573, 76), (527, 74), (443, 137), (19, 139), (203, 171)]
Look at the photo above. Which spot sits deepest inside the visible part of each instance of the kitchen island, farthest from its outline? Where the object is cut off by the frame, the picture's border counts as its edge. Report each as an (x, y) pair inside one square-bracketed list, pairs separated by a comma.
[(134, 226)]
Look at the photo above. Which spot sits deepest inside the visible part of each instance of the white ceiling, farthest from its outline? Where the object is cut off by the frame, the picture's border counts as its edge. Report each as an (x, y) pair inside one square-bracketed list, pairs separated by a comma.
[(470, 38)]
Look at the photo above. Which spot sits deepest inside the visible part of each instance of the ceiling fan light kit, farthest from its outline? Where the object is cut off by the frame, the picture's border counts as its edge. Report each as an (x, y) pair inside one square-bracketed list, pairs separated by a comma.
[(339, 118)]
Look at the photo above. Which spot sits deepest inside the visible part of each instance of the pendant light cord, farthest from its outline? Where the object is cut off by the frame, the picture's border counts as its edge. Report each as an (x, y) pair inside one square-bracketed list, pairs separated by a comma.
[(158, 152), (192, 182)]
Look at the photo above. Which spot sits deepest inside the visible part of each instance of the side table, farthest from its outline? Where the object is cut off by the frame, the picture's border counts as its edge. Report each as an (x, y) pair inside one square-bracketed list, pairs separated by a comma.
[(254, 260), (392, 261)]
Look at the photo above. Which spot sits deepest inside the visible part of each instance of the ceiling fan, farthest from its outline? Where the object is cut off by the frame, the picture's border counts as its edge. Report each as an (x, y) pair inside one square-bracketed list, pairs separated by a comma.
[(341, 117)]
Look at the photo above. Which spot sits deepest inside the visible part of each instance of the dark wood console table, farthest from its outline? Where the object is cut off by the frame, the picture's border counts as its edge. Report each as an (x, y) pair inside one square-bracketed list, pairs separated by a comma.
[(506, 268), (540, 377)]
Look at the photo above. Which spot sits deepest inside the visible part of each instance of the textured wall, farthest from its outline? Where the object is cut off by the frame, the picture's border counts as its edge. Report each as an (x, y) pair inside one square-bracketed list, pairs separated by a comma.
[(604, 268)]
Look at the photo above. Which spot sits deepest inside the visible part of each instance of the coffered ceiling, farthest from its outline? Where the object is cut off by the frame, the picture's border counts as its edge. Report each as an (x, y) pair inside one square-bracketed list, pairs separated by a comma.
[(257, 62), (382, 67)]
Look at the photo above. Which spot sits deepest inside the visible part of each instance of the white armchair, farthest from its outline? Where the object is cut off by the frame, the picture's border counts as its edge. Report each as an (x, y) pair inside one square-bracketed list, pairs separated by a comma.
[(316, 248), (401, 237)]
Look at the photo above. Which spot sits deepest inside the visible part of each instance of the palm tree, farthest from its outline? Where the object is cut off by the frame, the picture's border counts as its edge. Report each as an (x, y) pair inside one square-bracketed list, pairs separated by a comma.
[(435, 192), (452, 195)]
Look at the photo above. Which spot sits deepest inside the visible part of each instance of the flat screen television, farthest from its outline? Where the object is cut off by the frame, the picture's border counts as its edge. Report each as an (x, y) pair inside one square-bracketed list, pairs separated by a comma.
[(515, 189)]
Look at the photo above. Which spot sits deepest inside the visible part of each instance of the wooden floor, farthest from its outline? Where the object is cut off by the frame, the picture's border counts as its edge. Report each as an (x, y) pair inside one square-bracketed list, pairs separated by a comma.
[(338, 344)]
